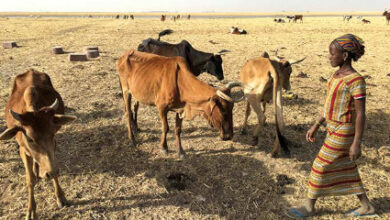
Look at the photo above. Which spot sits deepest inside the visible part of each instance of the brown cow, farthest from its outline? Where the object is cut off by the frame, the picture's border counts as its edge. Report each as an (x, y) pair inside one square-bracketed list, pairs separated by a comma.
[(263, 79), (163, 17), (188, 17), (298, 17), (34, 113), (167, 83), (365, 21), (387, 15)]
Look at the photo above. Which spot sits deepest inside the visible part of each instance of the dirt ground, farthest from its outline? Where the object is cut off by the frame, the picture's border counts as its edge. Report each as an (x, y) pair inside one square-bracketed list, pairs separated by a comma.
[(104, 178)]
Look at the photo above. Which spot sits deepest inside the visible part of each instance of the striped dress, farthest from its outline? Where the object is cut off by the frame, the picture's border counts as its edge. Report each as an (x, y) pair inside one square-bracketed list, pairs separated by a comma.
[(333, 173)]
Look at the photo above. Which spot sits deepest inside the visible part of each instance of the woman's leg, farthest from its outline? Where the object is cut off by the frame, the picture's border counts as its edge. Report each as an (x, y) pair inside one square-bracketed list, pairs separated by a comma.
[(365, 208)]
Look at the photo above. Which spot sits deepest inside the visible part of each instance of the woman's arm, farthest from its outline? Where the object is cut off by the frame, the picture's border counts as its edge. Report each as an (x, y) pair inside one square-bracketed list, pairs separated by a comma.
[(311, 133), (360, 107)]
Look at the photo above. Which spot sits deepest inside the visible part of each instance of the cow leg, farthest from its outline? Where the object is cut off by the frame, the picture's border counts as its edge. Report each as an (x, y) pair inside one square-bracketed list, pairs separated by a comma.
[(129, 117), (31, 181), (244, 129), (60, 196), (256, 105), (164, 128), (263, 104), (36, 170), (136, 106), (179, 122)]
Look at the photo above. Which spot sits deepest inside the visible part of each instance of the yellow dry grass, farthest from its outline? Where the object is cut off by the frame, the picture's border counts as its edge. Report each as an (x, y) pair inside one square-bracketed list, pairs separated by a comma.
[(106, 179)]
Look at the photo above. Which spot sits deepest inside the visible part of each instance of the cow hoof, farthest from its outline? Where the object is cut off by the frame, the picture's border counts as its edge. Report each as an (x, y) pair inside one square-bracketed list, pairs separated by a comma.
[(182, 156), (31, 216), (62, 204), (164, 151), (133, 144), (272, 155), (253, 141)]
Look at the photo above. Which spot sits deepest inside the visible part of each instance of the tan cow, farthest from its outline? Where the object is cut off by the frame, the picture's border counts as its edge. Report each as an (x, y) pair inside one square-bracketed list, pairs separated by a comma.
[(167, 83), (34, 113), (263, 79)]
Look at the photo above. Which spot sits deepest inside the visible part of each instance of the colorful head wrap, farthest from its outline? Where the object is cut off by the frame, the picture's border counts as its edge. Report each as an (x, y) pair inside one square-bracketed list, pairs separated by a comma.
[(352, 44)]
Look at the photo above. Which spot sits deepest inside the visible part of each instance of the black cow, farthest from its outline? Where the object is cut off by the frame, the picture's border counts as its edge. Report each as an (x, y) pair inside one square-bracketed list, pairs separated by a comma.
[(198, 61)]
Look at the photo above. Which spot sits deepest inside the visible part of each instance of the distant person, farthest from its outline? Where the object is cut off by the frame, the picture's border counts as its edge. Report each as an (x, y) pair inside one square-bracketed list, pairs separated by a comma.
[(334, 171)]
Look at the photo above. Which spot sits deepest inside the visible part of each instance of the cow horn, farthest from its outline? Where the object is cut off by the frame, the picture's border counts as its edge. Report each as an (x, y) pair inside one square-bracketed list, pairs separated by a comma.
[(296, 61), (223, 52), (15, 115), (55, 105), (277, 58), (224, 96), (233, 84)]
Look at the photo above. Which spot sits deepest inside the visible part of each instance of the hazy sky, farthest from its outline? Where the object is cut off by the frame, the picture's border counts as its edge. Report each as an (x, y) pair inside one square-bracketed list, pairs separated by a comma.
[(192, 5)]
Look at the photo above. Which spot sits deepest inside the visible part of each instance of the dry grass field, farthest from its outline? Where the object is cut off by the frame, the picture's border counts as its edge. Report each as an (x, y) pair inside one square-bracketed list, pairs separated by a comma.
[(104, 178)]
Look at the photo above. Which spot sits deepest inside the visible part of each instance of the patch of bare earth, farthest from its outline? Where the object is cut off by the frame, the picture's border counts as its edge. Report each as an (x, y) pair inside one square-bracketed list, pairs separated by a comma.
[(106, 179)]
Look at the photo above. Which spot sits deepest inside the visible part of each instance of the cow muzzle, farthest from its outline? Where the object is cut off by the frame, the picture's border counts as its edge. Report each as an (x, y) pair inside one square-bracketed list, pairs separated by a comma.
[(226, 137), (49, 174)]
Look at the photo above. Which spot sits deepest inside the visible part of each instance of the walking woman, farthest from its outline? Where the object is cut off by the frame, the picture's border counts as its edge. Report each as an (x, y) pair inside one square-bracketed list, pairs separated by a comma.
[(334, 171)]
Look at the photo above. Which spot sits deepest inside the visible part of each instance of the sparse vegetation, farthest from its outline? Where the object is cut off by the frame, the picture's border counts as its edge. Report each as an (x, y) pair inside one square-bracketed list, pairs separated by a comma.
[(104, 178)]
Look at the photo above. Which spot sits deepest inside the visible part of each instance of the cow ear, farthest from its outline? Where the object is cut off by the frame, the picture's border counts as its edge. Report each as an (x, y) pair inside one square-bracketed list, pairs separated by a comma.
[(63, 119), (10, 133)]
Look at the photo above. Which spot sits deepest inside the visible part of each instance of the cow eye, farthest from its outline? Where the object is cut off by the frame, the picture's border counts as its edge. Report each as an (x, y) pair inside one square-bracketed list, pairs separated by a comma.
[(29, 139)]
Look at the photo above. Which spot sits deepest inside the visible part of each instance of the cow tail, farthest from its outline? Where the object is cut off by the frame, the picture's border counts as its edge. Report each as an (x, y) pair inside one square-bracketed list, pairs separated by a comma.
[(277, 101)]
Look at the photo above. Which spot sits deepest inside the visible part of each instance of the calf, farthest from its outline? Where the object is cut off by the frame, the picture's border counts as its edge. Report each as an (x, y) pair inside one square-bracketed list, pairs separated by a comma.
[(263, 79), (34, 113)]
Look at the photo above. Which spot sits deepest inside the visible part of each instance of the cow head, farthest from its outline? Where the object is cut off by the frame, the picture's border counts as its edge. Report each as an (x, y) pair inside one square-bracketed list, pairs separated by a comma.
[(213, 66), (218, 111), (37, 130), (385, 12), (283, 67)]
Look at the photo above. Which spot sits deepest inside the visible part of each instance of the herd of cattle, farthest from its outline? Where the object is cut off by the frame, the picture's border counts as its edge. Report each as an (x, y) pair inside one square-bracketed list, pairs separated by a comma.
[(293, 18), (159, 74), (386, 13)]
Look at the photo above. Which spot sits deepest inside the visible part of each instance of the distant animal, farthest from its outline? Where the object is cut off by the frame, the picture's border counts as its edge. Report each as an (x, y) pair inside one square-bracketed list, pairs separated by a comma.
[(290, 18), (173, 18), (347, 17), (365, 21), (125, 16), (279, 20), (298, 17), (117, 16), (188, 17), (178, 17), (167, 83), (34, 113), (236, 30), (163, 17), (387, 15), (263, 79), (358, 18), (197, 61), (132, 17)]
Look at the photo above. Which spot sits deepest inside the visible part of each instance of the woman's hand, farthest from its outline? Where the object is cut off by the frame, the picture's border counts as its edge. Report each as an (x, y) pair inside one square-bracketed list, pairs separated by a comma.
[(354, 152), (311, 133)]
